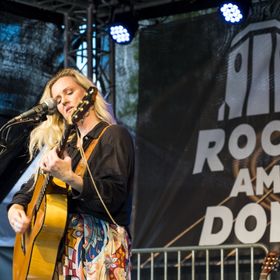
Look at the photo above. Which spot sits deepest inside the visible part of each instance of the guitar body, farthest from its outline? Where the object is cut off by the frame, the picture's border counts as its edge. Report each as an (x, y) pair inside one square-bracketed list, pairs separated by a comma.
[(35, 251)]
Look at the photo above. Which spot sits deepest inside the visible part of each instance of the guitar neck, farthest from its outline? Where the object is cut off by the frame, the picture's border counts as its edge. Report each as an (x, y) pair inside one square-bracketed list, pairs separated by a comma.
[(63, 141), (270, 263), (263, 276), (60, 150)]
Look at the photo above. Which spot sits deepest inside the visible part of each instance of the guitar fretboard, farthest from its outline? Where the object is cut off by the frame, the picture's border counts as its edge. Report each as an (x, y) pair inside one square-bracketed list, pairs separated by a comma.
[(60, 150)]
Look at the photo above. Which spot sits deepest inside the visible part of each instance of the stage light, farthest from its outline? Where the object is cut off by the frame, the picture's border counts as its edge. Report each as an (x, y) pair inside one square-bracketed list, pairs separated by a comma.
[(123, 31), (234, 11)]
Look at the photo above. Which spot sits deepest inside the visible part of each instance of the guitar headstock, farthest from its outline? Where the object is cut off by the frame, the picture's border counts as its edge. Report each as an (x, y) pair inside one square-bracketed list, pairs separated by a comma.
[(270, 263), (84, 105)]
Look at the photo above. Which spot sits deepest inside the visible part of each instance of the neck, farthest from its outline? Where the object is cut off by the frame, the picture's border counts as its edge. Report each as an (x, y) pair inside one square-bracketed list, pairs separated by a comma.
[(88, 123)]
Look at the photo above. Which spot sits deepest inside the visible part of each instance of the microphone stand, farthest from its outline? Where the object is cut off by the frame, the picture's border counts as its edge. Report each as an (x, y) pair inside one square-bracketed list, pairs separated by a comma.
[(5, 129), (13, 150)]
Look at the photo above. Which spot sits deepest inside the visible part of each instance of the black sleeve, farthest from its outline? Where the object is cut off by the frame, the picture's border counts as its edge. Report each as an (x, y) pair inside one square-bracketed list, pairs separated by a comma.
[(24, 195), (111, 165)]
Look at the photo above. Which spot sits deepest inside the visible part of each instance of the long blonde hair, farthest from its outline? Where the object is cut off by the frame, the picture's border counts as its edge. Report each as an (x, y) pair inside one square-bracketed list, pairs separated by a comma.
[(49, 133)]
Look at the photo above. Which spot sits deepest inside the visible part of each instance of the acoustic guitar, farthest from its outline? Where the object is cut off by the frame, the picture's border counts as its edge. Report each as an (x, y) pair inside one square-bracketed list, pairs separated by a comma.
[(36, 251), (270, 263)]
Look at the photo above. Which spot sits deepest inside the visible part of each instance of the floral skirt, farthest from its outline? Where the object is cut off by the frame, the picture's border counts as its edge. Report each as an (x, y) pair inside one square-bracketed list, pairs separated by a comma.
[(95, 250)]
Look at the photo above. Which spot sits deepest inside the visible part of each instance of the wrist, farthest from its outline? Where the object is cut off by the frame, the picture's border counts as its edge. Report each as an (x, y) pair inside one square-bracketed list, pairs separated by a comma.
[(75, 181), (17, 206)]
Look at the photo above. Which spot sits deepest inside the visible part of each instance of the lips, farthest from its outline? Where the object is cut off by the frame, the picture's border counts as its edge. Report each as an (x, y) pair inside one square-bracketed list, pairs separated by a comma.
[(68, 109)]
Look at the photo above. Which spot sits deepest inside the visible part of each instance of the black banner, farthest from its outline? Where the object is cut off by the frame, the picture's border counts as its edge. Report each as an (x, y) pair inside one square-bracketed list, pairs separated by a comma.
[(208, 132), (31, 51)]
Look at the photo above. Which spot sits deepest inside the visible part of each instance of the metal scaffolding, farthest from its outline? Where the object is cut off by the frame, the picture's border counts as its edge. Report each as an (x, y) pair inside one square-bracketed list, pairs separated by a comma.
[(87, 45)]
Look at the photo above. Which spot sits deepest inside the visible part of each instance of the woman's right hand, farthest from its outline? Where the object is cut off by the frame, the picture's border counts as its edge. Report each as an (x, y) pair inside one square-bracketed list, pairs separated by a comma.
[(18, 219)]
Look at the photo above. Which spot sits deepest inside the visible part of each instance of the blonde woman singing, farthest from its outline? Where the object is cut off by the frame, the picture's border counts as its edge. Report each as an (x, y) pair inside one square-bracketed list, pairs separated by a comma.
[(96, 242)]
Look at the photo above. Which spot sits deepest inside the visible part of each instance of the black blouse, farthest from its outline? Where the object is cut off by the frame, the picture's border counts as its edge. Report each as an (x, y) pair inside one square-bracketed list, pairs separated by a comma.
[(112, 167)]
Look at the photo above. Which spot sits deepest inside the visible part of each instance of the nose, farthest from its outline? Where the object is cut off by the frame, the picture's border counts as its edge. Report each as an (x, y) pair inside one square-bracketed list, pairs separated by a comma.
[(64, 101)]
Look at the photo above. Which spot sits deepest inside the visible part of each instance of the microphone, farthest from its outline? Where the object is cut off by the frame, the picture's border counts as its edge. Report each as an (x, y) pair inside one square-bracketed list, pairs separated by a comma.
[(48, 107)]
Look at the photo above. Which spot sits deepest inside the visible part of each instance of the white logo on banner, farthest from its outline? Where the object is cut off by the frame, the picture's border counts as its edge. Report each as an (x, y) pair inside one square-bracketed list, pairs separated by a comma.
[(253, 82), (252, 88)]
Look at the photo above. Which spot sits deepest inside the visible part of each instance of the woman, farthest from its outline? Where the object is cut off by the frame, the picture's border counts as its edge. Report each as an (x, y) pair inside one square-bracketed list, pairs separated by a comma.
[(98, 224)]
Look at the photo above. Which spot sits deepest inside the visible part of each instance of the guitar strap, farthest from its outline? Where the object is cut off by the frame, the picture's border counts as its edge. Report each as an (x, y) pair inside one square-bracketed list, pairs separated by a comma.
[(81, 166)]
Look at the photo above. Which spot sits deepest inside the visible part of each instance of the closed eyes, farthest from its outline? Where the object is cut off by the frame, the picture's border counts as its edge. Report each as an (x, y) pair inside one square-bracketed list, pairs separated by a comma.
[(58, 100)]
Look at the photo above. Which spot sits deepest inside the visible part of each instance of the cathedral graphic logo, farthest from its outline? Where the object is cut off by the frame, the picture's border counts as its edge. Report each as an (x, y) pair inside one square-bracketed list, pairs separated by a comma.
[(253, 72)]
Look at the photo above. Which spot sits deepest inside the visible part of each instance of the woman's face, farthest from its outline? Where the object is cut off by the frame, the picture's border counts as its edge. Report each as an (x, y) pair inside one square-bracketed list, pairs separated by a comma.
[(67, 94)]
